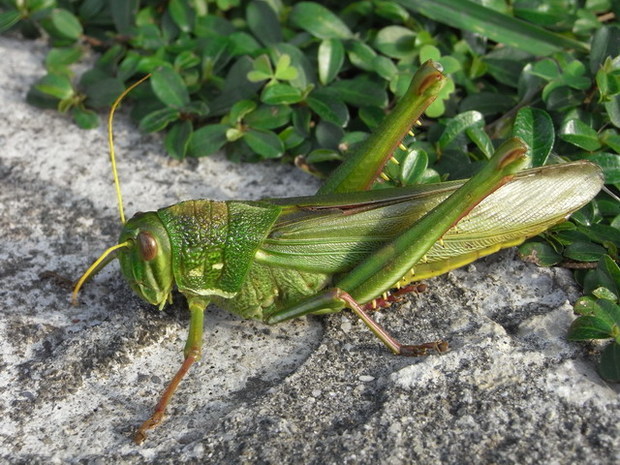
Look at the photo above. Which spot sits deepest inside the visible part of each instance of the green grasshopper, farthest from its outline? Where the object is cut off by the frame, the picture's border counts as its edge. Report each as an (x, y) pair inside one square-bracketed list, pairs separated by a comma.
[(278, 259)]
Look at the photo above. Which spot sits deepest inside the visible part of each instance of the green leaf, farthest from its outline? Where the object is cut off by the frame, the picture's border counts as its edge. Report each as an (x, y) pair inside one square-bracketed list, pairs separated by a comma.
[(40, 99), (481, 139), (207, 140), (588, 327), (561, 99), (264, 143), (59, 58), (291, 138), (371, 116), (391, 11), (323, 155), (328, 106), (236, 87), (610, 163), (604, 293), (609, 366), (607, 83), (328, 135), (351, 140), (578, 133), (240, 109), (62, 24), (38, 6), (233, 134), (170, 88), (396, 42), (107, 62), (318, 21), (470, 16), (613, 110), (547, 69), (269, 117), (278, 94), (361, 55), (605, 43), (182, 14), (56, 85), (101, 90), (159, 119), (263, 22), (89, 9), (360, 92), (535, 127), (487, 103), (186, 59), (284, 71), (243, 44), (584, 251), (586, 305), (539, 253), (574, 75), (606, 274), (124, 14), (8, 19), (306, 71), (384, 67), (330, 59), (459, 124), (610, 313), (506, 64), (178, 138), (429, 52), (85, 119), (437, 108), (413, 166)]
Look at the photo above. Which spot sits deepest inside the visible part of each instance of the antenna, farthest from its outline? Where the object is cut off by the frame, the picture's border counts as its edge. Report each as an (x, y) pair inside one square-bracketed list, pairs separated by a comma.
[(117, 183), (107, 256)]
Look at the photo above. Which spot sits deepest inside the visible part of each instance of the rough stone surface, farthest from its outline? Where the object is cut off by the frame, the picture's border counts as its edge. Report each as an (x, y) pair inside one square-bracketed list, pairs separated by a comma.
[(77, 380)]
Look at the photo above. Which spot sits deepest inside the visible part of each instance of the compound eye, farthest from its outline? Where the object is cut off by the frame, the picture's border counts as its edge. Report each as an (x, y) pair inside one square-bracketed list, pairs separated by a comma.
[(147, 246)]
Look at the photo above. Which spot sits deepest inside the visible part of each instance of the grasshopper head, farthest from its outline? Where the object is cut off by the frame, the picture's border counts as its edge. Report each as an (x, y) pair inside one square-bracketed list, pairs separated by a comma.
[(147, 262)]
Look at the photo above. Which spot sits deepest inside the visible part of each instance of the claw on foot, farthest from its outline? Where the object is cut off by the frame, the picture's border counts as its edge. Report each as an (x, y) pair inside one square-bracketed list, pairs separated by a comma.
[(421, 350)]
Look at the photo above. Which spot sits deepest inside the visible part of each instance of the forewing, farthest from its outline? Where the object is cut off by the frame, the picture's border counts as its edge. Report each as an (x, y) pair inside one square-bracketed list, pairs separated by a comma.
[(331, 234)]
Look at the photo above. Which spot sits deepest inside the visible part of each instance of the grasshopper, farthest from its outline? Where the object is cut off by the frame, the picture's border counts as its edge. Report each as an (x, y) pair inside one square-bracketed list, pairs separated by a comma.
[(346, 247)]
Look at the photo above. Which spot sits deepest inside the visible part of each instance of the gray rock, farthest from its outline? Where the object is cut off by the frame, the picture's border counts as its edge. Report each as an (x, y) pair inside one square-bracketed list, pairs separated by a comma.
[(77, 380)]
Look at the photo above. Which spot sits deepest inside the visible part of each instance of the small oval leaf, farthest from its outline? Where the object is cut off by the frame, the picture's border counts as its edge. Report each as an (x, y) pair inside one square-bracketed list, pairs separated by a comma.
[(170, 88), (158, 119), (281, 94), (588, 327), (413, 166), (264, 143), (535, 127), (86, 119), (62, 24), (330, 59), (578, 133), (319, 21), (539, 253), (263, 22), (207, 140), (396, 42), (56, 85), (360, 92), (177, 139), (458, 124), (328, 106), (609, 367)]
